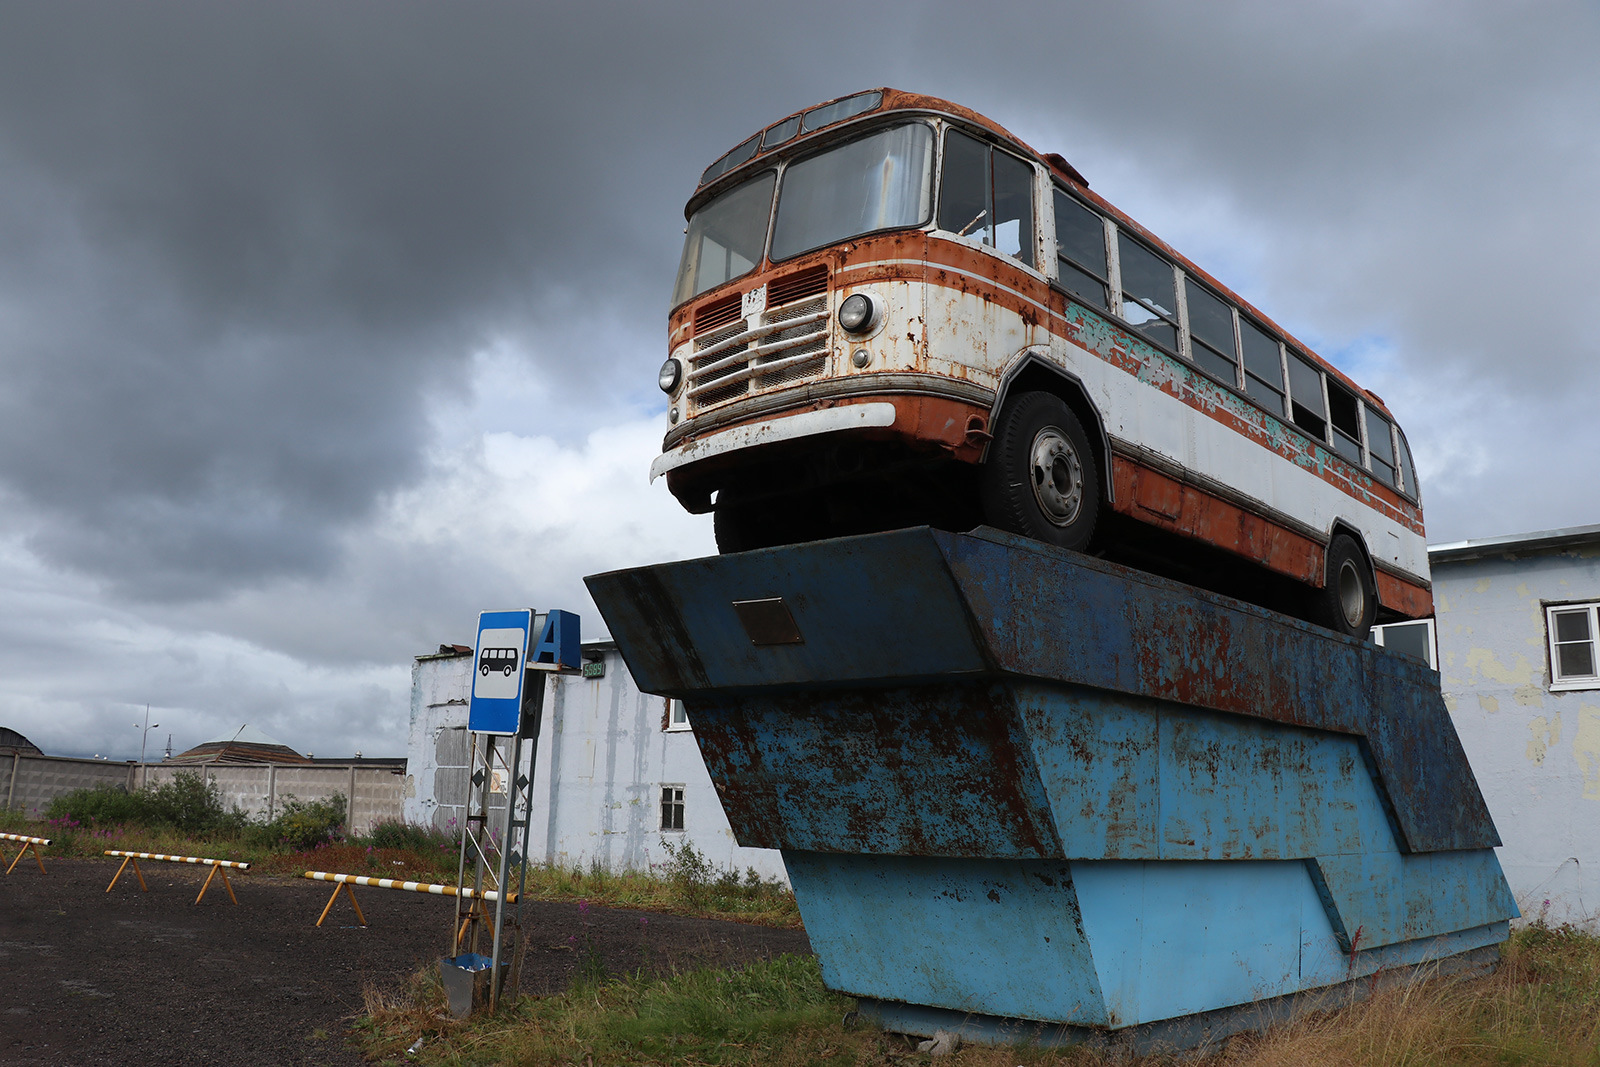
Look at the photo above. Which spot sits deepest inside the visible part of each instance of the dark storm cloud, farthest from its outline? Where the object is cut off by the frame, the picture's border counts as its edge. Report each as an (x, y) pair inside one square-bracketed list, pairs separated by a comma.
[(243, 249)]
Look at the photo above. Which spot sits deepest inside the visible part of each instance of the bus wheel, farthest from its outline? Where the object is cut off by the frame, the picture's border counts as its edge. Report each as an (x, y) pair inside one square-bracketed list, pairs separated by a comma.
[(1348, 599), (1041, 479)]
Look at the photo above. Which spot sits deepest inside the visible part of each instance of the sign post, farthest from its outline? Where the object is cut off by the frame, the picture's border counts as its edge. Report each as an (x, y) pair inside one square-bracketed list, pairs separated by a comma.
[(513, 651)]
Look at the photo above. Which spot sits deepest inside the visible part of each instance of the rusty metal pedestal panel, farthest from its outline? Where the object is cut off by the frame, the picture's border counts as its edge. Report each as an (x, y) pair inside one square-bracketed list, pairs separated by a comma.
[(1016, 786)]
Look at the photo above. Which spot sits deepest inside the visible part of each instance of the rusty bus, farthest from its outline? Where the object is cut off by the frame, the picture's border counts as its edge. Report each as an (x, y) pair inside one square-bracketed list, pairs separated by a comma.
[(890, 311)]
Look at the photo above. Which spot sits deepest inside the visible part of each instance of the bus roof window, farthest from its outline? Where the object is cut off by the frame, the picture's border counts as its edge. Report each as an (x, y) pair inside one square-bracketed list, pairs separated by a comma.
[(1263, 373), (1379, 447), (1344, 413), (781, 133), (1305, 396), (1211, 332), (879, 182), (735, 156), (1149, 300), (1081, 251), (839, 110), (725, 238)]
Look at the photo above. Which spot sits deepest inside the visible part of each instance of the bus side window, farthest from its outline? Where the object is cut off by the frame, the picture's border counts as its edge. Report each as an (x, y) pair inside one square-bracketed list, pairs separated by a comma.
[(1380, 448), (1211, 333), (1013, 207), (1081, 251), (964, 188), (1263, 374), (1305, 396), (1149, 301), (987, 195), (1344, 413), (1407, 471)]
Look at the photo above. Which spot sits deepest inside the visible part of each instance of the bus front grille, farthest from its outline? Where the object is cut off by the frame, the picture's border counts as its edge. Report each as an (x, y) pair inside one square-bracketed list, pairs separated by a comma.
[(788, 343)]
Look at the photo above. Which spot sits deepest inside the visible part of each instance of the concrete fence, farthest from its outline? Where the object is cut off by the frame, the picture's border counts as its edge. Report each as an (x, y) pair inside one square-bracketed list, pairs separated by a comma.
[(373, 794)]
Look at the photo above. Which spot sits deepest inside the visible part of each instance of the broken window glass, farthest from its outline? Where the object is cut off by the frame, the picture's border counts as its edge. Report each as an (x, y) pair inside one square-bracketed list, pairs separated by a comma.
[(1149, 303), (1013, 207), (1344, 413)]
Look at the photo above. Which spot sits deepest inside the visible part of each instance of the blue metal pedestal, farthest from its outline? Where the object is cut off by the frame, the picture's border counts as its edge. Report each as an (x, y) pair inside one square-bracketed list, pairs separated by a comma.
[(1025, 793)]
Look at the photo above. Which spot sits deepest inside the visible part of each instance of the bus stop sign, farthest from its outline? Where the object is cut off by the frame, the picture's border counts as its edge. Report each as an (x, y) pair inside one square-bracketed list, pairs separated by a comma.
[(511, 643), (502, 652)]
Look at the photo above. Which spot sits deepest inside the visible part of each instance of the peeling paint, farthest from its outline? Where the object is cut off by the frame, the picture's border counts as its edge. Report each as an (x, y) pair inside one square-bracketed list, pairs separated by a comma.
[(1586, 749), (1544, 734), (1529, 696), (1483, 661), (1489, 702)]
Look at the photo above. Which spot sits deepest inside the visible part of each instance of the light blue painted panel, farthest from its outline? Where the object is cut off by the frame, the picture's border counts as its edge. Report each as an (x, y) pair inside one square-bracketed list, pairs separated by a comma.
[(1240, 788), (1382, 898), (1096, 755), (1132, 778), (1172, 938), (999, 937)]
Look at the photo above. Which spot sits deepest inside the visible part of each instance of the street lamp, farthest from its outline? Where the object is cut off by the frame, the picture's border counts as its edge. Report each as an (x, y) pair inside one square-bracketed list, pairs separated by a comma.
[(145, 735)]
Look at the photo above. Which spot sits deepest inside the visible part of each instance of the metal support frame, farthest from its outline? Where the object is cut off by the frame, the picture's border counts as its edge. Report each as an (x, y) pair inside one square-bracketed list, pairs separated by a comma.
[(495, 841)]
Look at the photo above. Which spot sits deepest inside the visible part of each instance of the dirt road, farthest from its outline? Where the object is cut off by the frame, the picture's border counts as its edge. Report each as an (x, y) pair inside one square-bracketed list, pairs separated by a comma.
[(139, 978)]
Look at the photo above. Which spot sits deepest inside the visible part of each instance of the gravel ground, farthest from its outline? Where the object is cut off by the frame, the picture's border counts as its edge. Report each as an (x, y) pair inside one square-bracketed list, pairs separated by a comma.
[(152, 978)]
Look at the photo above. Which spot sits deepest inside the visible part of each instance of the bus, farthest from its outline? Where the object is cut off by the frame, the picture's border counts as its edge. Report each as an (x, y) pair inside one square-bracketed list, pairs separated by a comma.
[(890, 311)]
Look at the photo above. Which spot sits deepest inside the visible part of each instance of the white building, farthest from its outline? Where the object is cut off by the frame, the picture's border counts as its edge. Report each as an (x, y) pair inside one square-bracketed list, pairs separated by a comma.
[(1518, 651), (617, 773)]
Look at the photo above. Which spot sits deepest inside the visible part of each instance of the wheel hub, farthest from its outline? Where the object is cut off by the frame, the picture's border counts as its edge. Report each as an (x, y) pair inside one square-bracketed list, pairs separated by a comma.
[(1352, 597), (1057, 476)]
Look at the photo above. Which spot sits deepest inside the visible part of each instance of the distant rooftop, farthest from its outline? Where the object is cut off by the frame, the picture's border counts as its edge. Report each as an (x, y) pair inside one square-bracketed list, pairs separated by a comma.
[(247, 745), (1514, 544)]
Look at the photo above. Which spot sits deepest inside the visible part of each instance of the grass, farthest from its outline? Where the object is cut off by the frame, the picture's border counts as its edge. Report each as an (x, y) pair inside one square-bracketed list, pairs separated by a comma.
[(1540, 1008)]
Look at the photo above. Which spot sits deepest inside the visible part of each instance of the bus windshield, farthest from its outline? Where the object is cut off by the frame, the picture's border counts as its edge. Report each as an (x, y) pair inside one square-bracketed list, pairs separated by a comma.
[(879, 182), (725, 238)]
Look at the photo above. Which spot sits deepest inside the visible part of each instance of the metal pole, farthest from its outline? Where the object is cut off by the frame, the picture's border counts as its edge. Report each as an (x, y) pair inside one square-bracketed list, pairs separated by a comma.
[(505, 869)]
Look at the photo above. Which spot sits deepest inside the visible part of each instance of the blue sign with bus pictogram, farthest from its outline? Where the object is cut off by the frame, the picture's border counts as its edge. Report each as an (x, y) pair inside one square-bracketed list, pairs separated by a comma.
[(503, 659)]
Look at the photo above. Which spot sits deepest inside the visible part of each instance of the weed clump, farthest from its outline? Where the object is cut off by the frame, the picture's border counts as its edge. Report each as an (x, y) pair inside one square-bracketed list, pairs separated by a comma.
[(190, 803)]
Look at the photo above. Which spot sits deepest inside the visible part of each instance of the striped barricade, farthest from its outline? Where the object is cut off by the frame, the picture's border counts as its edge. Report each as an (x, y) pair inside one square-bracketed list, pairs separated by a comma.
[(217, 866), (26, 843), (347, 881)]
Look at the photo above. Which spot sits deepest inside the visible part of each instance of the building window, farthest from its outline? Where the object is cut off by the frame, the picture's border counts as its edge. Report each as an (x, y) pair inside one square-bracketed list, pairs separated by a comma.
[(672, 807), (1413, 639), (676, 717), (1574, 662)]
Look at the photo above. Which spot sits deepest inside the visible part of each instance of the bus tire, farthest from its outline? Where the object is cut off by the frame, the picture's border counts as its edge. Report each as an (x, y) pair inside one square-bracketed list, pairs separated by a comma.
[(1348, 600), (1040, 478)]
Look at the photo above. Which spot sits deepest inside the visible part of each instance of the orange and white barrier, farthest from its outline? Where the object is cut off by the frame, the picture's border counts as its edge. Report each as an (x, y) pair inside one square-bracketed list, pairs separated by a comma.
[(27, 843), (345, 881), (217, 866)]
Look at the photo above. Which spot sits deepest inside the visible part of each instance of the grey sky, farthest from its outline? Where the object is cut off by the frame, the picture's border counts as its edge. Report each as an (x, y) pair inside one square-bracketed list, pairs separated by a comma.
[(326, 326)]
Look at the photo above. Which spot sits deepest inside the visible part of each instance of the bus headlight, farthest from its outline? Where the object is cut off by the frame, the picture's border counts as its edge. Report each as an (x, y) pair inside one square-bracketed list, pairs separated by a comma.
[(670, 375), (860, 312)]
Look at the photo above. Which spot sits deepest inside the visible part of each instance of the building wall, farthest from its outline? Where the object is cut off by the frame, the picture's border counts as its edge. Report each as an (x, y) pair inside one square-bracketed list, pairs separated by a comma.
[(30, 783), (601, 760), (1536, 752)]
